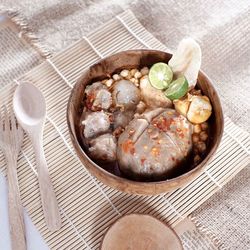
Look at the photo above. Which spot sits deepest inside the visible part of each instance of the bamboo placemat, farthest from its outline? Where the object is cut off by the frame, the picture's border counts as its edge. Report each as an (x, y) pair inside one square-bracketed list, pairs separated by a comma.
[(88, 207)]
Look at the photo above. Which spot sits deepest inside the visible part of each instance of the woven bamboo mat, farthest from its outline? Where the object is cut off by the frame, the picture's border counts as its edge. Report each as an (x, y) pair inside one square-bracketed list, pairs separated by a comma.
[(88, 207)]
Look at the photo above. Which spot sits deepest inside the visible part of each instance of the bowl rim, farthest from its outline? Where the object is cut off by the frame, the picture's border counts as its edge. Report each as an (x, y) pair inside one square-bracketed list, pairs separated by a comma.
[(195, 171)]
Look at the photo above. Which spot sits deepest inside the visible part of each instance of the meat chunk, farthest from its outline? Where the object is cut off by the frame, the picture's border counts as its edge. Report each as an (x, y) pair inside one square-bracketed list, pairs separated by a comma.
[(95, 124), (126, 95), (98, 97), (153, 97), (154, 145), (103, 148), (122, 118), (141, 107)]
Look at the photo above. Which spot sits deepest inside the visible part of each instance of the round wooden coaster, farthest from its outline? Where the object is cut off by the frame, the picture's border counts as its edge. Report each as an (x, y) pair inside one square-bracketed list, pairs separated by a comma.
[(140, 232)]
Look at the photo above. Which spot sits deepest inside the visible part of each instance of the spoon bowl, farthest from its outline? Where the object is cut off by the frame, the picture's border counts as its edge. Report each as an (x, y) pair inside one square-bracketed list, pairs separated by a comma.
[(29, 105)]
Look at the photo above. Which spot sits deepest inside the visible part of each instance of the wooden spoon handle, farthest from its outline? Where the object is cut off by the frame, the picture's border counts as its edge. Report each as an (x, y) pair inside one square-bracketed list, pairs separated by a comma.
[(48, 197), (17, 229)]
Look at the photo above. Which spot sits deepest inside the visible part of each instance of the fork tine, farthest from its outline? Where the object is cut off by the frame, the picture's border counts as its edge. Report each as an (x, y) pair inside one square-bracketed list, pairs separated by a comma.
[(13, 120), (6, 119), (1, 121), (17, 131)]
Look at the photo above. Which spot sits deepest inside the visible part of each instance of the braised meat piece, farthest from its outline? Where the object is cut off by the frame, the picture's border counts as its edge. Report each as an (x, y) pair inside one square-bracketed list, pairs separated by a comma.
[(154, 144), (98, 97), (103, 148)]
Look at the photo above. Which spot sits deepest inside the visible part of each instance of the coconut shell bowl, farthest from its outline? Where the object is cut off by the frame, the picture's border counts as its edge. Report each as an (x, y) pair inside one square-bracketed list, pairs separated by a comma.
[(111, 176)]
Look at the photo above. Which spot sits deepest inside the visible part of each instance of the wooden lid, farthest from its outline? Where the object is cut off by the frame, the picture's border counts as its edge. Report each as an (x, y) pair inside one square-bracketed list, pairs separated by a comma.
[(140, 232)]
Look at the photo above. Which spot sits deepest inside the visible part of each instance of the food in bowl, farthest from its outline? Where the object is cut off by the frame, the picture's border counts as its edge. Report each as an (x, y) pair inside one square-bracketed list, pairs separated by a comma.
[(148, 123)]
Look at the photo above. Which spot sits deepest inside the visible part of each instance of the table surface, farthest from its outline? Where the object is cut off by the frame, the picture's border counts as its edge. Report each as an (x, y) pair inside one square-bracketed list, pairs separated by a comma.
[(222, 29), (34, 239)]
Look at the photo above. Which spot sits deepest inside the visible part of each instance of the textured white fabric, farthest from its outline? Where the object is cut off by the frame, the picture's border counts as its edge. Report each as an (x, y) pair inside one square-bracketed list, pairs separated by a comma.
[(222, 29)]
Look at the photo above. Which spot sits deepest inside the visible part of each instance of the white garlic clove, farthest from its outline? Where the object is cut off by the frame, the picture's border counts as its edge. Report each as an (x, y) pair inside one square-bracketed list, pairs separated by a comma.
[(187, 60), (181, 106), (199, 110)]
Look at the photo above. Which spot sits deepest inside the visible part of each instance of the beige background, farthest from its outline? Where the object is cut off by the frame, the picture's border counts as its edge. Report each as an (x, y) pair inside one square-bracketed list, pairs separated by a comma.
[(222, 29)]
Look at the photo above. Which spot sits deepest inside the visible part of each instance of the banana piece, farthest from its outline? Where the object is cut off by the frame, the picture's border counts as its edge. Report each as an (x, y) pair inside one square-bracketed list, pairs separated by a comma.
[(187, 60)]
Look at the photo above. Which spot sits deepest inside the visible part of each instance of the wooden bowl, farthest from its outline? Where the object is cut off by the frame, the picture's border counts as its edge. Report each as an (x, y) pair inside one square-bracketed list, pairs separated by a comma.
[(137, 59), (140, 232)]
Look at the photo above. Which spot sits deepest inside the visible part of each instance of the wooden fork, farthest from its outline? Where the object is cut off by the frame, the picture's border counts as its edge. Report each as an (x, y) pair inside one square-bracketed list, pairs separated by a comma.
[(11, 138)]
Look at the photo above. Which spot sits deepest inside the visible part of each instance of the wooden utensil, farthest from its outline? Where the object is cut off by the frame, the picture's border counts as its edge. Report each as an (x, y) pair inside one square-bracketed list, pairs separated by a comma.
[(11, 139), (140, 232), (30, 110), (128, 60)]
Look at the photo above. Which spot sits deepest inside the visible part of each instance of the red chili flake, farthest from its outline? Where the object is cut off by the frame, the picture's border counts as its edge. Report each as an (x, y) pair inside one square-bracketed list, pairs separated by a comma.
[(159, 141), (128, 147), (155, 151), (142, 161), (89, 100), (181, 135), (132, 151), (173, 159), (163, 123)]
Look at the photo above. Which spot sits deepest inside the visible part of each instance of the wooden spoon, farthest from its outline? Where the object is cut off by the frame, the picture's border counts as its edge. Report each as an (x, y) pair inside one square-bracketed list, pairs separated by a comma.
[(30, 110)]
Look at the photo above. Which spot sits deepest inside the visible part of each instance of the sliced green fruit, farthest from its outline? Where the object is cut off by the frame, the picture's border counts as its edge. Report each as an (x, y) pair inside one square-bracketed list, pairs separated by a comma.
[(160, 75), (177, 88)]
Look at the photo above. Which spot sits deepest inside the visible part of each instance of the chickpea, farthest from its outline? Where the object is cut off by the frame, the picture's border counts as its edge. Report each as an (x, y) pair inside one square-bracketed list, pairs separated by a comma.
[(195, 150), (116, 77), (204, 126), (197, 128), (109, 82), (125, 73), (201, 146), (138, 75), (144, 71), (197, 159), (132, 80), (203, 135), (104, 81), (195, 138), (133, 71)]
